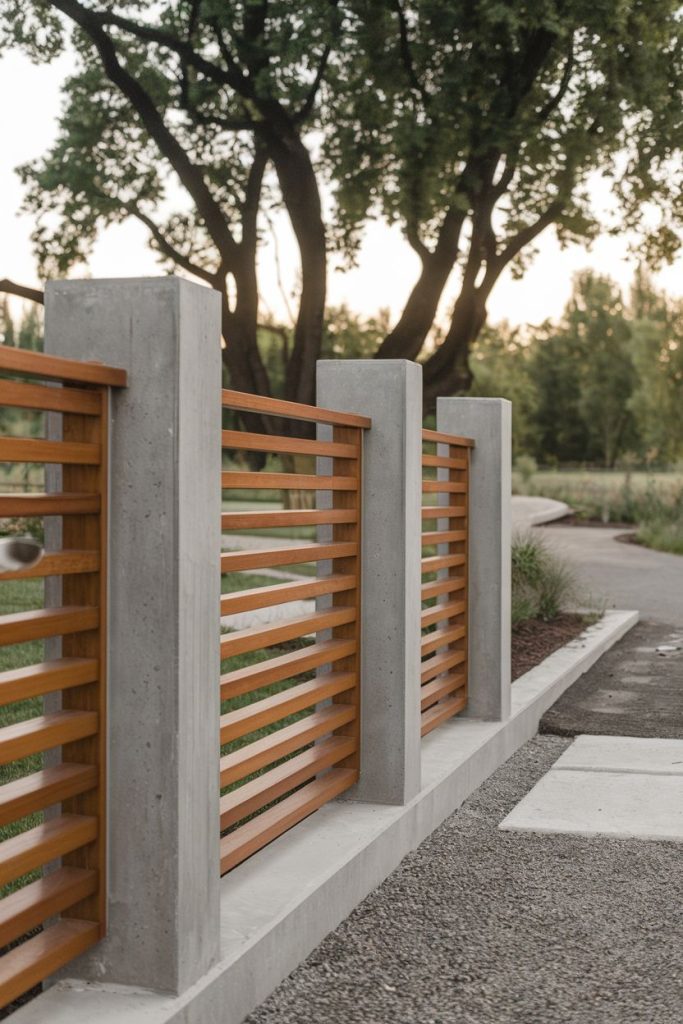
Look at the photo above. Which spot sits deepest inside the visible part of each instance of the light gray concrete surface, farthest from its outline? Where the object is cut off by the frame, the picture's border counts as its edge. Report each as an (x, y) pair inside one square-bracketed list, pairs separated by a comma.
[(623, 754), (390, 391), (623, 575), (164, 586), (489, 422), (530, 510), (277, 906)]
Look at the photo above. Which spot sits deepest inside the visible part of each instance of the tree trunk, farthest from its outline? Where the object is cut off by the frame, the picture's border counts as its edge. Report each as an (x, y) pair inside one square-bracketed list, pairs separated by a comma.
[(448, 371)]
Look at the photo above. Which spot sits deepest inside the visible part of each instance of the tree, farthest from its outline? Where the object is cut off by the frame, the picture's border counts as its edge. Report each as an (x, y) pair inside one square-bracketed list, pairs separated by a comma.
[(477, 126)]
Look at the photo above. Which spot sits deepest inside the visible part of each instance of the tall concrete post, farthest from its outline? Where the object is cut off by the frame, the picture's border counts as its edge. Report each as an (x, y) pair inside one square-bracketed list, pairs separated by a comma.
[(389, 391), (164, 586), (489, 422)]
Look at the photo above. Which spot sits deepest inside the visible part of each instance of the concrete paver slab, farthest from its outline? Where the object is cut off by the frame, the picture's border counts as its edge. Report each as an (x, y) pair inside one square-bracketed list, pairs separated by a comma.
[(623, 754)]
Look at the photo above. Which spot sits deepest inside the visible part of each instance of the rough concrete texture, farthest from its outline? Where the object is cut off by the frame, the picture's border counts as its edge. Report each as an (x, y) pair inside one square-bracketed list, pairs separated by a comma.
[(636, 689), (480, 926)]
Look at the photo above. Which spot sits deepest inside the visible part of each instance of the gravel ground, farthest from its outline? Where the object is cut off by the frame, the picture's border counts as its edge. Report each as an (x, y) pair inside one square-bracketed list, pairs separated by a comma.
[(479, 926)]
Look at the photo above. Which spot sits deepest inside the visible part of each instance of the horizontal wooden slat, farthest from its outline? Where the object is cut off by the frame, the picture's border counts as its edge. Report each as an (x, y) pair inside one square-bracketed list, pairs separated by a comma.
[(254, 716), (256, 637), (235, 561), (441, 712), (22, 449), (28, 907), (288, 482), (36, 625), (287, 517), (432, 537), (295, 445), (48, 504), (441, 638), (240, 844), (453, 439), (46, 677), (438, 663), (39, 364), (58, 563), (443, 462), (435, 691), (45, 731), (281, 593), (252, 796), (44, 843), (443, 487), (444, 512), (439, 587), (435, 562), (44, 788), (31, 962), (245, 680), (285, 741), (243, 402), (442, 612), (50, 398)]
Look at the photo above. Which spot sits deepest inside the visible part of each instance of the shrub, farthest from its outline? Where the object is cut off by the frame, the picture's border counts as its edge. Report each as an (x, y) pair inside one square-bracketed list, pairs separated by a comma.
[(542, 583)]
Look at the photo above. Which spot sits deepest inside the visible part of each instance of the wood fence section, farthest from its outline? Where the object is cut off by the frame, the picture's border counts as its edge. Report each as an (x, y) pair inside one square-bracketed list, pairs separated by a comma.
[(290, 700), (47, 920), (445, 519)]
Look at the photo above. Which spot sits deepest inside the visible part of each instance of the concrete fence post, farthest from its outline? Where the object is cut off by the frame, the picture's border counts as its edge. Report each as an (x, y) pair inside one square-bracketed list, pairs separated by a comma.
[(389, 391), (489, 422), (163, 601)]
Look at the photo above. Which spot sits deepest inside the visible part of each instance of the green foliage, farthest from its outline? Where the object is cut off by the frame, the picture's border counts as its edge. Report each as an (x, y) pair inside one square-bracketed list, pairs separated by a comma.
[(542, 583)]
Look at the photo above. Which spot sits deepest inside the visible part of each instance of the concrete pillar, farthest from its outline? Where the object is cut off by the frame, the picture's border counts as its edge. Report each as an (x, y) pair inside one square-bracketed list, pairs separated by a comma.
[(389, 391), (489, 422), (164, 586)]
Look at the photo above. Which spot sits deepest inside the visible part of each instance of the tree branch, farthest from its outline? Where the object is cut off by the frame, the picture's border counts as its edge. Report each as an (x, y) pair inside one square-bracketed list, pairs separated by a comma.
[(211, 277), (20, 290), (406, 55)]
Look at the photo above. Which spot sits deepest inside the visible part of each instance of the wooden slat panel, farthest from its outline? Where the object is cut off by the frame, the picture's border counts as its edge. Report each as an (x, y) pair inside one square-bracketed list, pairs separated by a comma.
[(288, 629), (46, 677), (444, 512), (254, 716), (433, 537), (435, 691), (36, 625), (286, 517), (443, 487), (45, 731), (44, 843), (443, 462), (281, 593), (442, 612), (58, 563), (452, 439), (438, 663), (39, 364), (271, 748), (245, 680), (438, 587), (243, 402), (44, 788), (48, 504), (254, 795), (435, 562), (296, 445), (31, 962), (244, 841), (21, 449), (49, 398), (441, 712), (287, 482), (25, 909), (235, 561), (441, 638)]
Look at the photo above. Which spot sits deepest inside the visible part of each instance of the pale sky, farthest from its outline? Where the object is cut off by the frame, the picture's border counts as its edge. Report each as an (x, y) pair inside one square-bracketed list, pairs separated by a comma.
[(387, 268)]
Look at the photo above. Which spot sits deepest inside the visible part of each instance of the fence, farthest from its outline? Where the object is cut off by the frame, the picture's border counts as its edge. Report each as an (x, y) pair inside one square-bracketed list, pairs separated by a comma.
[(444, 620), (49, 920), (284, 755)]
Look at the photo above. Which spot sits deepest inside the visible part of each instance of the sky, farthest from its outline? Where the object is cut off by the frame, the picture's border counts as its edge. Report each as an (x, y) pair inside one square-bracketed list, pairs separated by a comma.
[(386, 269)]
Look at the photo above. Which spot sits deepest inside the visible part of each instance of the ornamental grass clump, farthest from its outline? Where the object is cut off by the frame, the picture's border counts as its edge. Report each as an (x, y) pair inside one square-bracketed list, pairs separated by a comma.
[(543, 585)]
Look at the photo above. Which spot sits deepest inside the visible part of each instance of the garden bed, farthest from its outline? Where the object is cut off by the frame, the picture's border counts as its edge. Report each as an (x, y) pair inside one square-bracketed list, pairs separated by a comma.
[(534, 639)]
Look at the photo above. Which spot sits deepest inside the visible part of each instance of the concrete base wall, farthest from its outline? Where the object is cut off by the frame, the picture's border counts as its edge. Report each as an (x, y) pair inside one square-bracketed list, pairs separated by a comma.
[(279, 905)]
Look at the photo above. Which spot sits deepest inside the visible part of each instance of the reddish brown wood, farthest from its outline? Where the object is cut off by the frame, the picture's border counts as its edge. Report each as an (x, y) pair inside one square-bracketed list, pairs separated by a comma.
[(243, 402), (39, 364)]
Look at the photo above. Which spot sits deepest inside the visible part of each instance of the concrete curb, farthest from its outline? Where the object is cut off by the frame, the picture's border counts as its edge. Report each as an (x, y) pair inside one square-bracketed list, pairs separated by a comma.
[(278, 906)]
